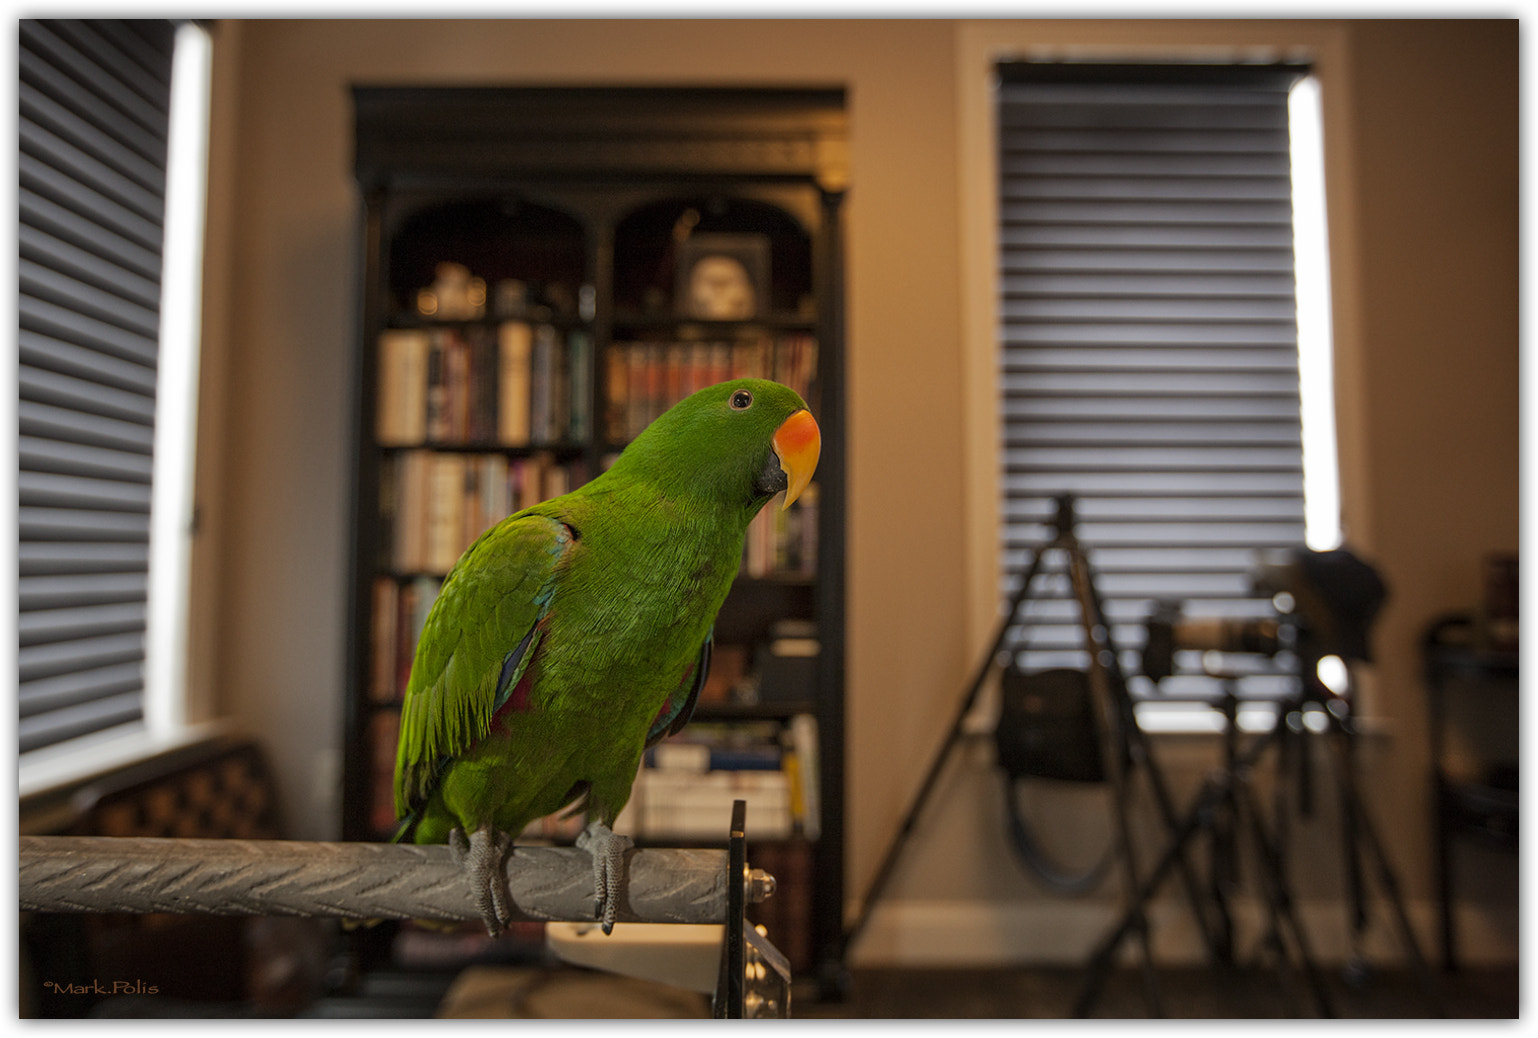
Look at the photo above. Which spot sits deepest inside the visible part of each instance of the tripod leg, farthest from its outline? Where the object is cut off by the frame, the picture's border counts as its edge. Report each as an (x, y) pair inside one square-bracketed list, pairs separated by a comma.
[(1356, 966), (1216, 789), (1274, 939), (1166, 807), (1114, 727), (1134, 741), (1279, 900), (1100, 962), (1151, 994), (1224, 852), (1364, 832)]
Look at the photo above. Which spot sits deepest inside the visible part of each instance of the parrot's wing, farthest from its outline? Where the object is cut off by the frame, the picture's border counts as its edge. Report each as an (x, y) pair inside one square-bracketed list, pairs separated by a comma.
[(477, 642), (675, 713)]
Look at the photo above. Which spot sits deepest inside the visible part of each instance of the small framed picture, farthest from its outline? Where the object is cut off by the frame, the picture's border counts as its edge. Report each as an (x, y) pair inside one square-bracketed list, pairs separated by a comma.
[(723, 277)]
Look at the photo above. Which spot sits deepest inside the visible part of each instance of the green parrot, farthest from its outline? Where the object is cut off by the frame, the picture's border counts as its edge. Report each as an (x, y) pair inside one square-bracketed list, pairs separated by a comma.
[(574, 634)]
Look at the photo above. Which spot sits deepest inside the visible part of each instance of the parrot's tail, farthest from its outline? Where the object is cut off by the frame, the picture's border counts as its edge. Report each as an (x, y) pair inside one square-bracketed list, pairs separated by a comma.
[(404, 829)]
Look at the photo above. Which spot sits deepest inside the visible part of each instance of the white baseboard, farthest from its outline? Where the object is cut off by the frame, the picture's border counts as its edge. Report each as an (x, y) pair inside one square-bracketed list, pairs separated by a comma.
[(1066, 932)]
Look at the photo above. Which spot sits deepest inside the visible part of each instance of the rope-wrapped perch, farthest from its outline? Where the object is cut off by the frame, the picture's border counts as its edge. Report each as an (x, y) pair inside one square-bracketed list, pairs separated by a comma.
[(352, 880)]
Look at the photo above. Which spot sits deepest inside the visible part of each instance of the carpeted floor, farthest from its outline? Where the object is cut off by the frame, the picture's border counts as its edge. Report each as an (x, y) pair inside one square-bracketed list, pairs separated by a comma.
[(1232, 994)]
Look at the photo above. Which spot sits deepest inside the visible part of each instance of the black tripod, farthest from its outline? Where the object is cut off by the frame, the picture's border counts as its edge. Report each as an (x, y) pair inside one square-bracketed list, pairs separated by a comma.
[(1125, 745), (1227, 803)]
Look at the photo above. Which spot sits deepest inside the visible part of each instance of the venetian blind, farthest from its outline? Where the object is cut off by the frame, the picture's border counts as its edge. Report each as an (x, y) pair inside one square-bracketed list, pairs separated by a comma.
[(93, 99), (1149, 358)]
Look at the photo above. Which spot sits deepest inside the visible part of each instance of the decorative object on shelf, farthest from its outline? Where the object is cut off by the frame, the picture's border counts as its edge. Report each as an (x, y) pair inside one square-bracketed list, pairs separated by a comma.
[(455, 295), (517, 385), (723, 277), (512, 298)]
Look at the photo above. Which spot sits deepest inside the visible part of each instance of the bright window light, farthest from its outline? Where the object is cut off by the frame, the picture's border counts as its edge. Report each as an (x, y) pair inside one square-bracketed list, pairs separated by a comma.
[(171, 502), (1311, 262)]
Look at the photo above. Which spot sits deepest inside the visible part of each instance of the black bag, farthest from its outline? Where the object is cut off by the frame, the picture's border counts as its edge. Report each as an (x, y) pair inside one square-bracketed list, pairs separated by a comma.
[(1047, 726), (1047, 730)]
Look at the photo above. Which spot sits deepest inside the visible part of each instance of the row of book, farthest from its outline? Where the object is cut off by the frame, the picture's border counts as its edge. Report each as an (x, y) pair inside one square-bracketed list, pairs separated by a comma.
[(520, 384), (383, 734), (433, 504), (399, 611), (643, 379), (783, 541), (512, 385), (687, 783)]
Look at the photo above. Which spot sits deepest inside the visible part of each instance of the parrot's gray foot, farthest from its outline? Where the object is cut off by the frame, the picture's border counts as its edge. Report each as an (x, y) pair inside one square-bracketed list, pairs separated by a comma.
[(482, 856), (608, 851)]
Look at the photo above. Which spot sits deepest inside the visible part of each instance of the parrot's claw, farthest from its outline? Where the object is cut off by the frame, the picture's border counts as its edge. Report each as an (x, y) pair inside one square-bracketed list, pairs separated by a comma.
[(608, 851), (482, 855)]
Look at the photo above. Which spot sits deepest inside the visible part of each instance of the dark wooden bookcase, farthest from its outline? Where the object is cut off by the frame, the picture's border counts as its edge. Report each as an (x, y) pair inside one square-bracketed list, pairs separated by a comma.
[(577, 211)]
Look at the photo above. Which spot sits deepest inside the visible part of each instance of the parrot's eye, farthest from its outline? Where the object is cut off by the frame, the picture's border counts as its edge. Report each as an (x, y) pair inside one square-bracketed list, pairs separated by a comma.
[(741, 400)]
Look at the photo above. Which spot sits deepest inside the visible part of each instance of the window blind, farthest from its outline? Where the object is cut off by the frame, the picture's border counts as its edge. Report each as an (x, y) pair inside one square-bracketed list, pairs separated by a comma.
[(94, 98), (1149, 359)]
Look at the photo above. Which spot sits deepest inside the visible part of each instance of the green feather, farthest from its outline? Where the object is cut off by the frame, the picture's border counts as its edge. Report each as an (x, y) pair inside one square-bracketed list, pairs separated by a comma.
[(611, 592)]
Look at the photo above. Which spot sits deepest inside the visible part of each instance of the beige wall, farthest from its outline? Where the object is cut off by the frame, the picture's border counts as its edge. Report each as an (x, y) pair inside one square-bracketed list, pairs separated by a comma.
[(1437, 122), (1423, 209)]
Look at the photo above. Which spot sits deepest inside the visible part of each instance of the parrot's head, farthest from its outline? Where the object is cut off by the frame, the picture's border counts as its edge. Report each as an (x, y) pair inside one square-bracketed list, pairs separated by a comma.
[(738, 442)]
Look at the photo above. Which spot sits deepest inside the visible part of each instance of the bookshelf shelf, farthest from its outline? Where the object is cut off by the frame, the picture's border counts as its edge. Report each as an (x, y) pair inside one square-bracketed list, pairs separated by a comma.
[(756, 711), (746, 585), (561, 451), (406, 320), (693, 329), (526, 309)]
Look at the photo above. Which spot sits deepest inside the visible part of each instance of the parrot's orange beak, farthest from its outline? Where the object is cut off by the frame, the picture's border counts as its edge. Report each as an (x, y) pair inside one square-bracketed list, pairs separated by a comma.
[(798, 444)]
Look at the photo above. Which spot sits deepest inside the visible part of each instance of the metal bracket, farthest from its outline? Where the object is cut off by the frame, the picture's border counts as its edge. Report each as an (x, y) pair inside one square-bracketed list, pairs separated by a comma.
[(755, 977)]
